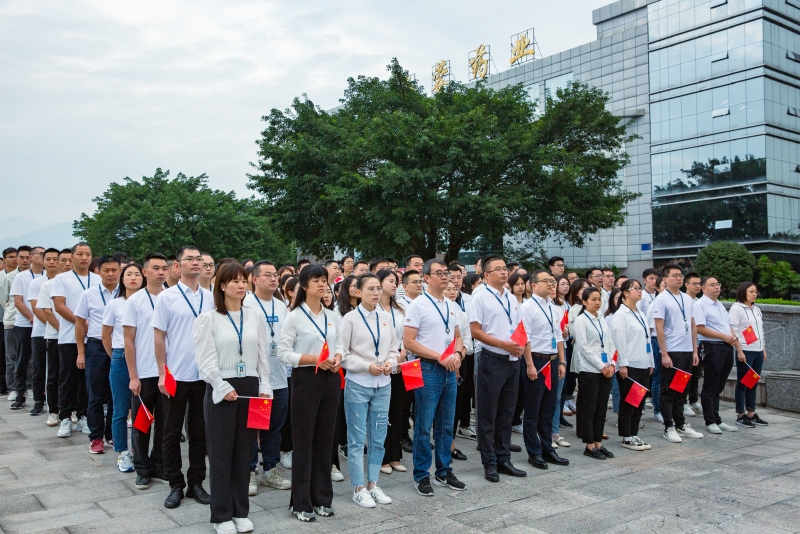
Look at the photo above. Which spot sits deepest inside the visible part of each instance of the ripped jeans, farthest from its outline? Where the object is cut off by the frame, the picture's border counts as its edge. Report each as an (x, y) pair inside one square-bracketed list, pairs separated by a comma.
[(367, 413)]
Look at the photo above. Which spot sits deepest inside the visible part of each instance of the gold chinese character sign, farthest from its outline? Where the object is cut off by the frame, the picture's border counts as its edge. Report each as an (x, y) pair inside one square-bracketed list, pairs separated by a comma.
[(479, 63), (440, 75), (522, 47)]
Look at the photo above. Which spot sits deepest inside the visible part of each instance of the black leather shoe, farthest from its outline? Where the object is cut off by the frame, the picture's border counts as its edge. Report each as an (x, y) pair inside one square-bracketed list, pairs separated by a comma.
[(554, 458), (458, 455), (607, 453), (407, 445), (565, 423), (174, 498), (200, 495), (594, 453), (514, 448), (490, 473), (507, 468), (538, 462)]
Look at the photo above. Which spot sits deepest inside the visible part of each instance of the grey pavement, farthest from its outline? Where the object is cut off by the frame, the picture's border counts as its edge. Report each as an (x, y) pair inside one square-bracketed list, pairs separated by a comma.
[(748, 481)]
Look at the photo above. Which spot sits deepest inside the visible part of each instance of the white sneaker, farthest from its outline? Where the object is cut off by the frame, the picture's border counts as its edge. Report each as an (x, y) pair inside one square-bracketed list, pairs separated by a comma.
[(632, 444), (687, 411), (363, 498), (286, 460), (83, 425), (562, 442), (697, 407), (274, 479), (639, 441), (517, 429), (713, 429), (243, 524), (554, 444), (379, 496), (672, 436), (224, 528), (12, 396), (648, 403), (336, 475), (726, 427), (689, 432), (65, 430), (658, 418), (467, 433), (74, 418), (252, 488), (571, 405), (52, 419), (125, 462)]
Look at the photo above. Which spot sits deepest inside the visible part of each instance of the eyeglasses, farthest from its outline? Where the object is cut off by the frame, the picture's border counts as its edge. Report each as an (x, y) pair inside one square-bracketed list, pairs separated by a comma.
[(677, 276), (635, 288), (268, 275), (193, 259), (415, 282), (713, 285), (438, 274), (548, 281), (498, 270), (208, 265), (558, 265)]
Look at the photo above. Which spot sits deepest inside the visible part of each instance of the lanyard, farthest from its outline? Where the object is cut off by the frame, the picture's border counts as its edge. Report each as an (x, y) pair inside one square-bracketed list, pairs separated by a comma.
[(325, 318), (113, 295), (269, 323), (460, 302), (377, 325), (446, 321), (507, 310), (641, 322), (680, 304), (151, 298), (394, 324), (88, 280), (549, 319), (599, 332), (189, 303), (240, 330)]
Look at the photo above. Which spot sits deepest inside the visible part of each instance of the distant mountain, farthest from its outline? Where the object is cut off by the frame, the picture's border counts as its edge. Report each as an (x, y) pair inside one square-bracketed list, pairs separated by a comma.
[(14, 226), (58, 236)]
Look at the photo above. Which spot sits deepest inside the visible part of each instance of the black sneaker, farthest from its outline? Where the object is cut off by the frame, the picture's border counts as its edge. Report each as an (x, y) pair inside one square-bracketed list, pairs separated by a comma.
[(18, 404), (756, 420), (424, 487), (407, 445), (343, 451), (142, 482), (450, 481), (745, 421), (458, 455), (37, 408)]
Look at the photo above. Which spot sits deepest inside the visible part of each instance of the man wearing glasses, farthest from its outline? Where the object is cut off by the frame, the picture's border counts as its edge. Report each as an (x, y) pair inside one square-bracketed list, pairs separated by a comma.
[(594, 275), (209, 269), (412, 282), (556, 265)]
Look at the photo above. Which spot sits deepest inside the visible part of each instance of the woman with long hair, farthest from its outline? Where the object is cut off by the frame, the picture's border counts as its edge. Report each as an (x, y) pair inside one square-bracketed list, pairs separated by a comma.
[(745, 314), (348, 297), (516, 284), (470, 282)]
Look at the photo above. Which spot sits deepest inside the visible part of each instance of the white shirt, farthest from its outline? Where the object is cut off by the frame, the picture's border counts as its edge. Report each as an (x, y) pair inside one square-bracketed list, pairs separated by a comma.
[(358, 343), (112, 316), (92, 306), (398, 318), (33, 294), (273, 312), (45, 302), (20, 288), (541, 319), (741, 316), (423, 314), (466, 333), (174, 316), (592, 339), (498, 316), (9, 309), (645, 305), (71, 286), (604, 295), (632, 337), (403, 301), (464, 306), (139, 314), (677, 312), (299, 335), (713, 315)]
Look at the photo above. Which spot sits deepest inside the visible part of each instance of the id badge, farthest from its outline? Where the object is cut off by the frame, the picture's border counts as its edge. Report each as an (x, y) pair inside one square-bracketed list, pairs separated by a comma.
[(273, 349), (604, 357), (648, 348), (686, 326), (553, 343), (241, 370)]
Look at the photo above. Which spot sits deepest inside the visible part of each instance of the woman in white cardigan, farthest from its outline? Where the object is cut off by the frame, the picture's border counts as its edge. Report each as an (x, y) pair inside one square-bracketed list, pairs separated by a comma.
[(232, 352)]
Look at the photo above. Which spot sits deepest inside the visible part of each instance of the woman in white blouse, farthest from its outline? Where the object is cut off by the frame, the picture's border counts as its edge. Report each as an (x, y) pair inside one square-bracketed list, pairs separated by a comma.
[(315, 393), (632, 338), (232, 353), (466, 383), (745, 314), (592, 359), (574, 301)]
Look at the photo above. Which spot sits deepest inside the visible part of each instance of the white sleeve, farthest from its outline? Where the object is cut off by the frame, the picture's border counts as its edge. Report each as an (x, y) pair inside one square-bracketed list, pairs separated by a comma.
[(206, 356)]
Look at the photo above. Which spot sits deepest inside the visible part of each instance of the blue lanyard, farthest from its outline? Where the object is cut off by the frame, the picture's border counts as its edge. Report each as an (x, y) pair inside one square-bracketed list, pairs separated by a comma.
[(88, 280), (641, 322), (189, 303), (446, 321), (240, 330), (269, 323), (549, 319), (325, 318), (680, 304), (113, 295), (508, 310), (460, 302), (394, 324), (151, 298), (599, 332), (377, 325)]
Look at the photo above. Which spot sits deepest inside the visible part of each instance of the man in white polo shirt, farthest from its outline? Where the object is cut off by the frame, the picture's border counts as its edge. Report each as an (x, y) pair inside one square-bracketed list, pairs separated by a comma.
[(66, 292), (173, 319), (143, 370), (38, 340), (23, 319)]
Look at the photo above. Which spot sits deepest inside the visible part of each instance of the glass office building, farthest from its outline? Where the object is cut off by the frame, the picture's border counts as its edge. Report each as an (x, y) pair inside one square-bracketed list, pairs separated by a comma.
[(713, 90)]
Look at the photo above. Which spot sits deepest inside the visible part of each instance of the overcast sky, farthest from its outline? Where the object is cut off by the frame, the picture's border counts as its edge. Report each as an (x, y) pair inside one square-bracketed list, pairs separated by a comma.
[(96, 90)]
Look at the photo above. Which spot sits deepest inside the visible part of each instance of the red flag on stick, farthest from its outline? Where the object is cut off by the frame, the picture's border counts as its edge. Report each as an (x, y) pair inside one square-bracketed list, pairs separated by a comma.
[(449, 351), (412, 375), (323, 355), (341, 374), (545, 370), (750, 379), (564, 320), (615, 357), (680, 380), (258, 413), (636, 394), (749, 335), (169, 382), (520, 336), (143, 419)]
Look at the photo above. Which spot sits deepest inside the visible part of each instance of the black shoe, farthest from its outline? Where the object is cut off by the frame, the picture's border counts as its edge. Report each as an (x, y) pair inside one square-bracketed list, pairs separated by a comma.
[(200, 495), (458, 455), (507, 468), (554, 458), (174, 497), (343, 451), (756, 420), (745, 421), (37, 408), (565, 423), (18, 404), (424, 487), (142, 482), (450, 481), (607, 453), (514, 448), (594, 453), (538, 462), (407, 445), (490, 473)]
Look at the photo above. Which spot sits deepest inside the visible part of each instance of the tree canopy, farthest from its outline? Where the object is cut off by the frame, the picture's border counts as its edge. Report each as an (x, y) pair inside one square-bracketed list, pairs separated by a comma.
[(727, 261), (394, 171), (159, 214)]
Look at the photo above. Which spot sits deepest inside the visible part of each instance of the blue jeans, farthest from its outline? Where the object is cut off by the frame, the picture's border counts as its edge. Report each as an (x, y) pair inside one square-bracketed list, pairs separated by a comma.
[(98, 389), (558, 413), (270, 440), (434, 406), (367, 414), (655, 378), (615, 395), (746, 397), (118, 376)]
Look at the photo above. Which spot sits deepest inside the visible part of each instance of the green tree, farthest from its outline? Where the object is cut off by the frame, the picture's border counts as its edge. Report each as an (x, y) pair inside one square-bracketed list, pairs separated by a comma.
[(730, 263), (395, 171), (159, 214), (776, 278)]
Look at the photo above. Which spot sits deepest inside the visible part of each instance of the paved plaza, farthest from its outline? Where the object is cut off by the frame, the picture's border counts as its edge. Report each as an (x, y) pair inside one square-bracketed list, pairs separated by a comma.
[(748, 481)]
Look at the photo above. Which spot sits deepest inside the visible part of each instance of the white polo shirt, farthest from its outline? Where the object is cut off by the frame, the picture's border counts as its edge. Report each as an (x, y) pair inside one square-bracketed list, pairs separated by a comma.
[(33, 294), (20, 288), (112, 316), (175, 315), (71, 286), (677, 312), (713, 315), (498, 316), (92, 306), (273, 312), (138, 313), (45, 302), (428, 316), (645, 305), (542, 320)]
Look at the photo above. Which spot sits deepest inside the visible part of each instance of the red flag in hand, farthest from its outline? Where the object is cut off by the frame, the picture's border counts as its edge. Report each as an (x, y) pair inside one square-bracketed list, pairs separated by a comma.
[(341, 374), (258, 413), (564, 320), (615, 357), (412, 375), (680, 380), (449, 351), (169, 382), (545, 370), (323, 355), (143, 419), (750, 379), (520, 336), (749, 335), (636, 394)]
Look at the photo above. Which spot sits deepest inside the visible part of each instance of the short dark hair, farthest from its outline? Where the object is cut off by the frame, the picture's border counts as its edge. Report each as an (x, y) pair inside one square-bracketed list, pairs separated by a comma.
[(259, 264), (407, 274), (665, 270), (512, 264), (226, 273), (108, 258), (51, 249), (359, 262), (487, 261), (741, 291), (426, 269), (154, 256), (479, 260), (620, 277), (244, 260), (552, 261), (590, 270), (181, 251), (411, 257), (303, 262), (535, 274), (454, 266), (375, 262), (65, 251), (80, 244), (704, 279), (9, 250), (328, 263), (607, 270), (693, 275), (649, 271), (23, 248)]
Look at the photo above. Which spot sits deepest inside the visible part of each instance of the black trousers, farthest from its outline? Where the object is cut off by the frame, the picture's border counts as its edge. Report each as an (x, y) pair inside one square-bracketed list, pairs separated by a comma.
[(629, 416), (498, 384), (22, 334), (3, 385), (39, 364), (671, 400), (571, 379), (517, 419), (691, 395), (393, 452), (717, 365), (540, 405), (339, 431), (286, 430), (465, 392), (592, 405), (408, 411), (98, 387), (52, 376), (146, 460), (191, 394), (315, 402), (230, 447), (72, 396)]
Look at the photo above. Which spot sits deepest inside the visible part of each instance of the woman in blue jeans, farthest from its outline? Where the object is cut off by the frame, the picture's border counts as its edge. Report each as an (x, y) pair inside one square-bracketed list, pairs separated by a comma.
[(745, 316), (370, 350), (131, 280)]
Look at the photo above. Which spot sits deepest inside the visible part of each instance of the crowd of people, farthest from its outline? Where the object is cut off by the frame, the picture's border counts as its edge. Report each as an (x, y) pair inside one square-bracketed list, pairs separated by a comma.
[(186, 344)]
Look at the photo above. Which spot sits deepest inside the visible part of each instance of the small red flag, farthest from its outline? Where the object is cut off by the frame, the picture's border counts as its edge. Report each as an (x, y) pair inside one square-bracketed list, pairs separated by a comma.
[(449, 351), (258, 413), (636, 394), (564, 320), (616, 355), (545, 370), (680, 380), (520, 336), (412, 375), (749, 335), (169, 382), (143, 419), (341, 374), (323, 355), (750, 379)]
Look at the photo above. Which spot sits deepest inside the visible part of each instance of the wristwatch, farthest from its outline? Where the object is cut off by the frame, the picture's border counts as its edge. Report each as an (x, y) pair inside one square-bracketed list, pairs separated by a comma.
[(562, 363)]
